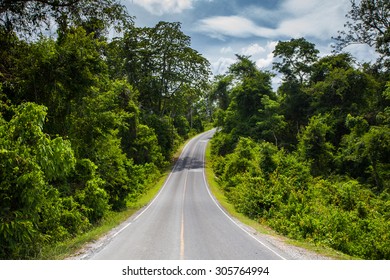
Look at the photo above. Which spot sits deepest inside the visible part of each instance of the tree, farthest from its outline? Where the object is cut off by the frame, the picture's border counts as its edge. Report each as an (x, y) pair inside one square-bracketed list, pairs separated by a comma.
[(295, 59), (272, 122), (159, 62), (220, 91), (369, 25), (365, 152), (295, 106), (315, 147), (340, 90), (58, 74), (29, 162), (26, 16), (169, 75), (250, 86)]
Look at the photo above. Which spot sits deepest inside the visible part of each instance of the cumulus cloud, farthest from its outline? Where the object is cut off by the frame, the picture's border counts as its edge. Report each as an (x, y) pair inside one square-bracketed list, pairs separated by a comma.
[(266, 61), (160, 7), (253, 49)]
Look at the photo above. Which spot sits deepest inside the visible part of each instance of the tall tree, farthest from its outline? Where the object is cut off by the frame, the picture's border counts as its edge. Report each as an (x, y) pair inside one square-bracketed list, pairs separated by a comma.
[(253, 110), (27, 15), (160, 63), (369, 24), (295, 59)]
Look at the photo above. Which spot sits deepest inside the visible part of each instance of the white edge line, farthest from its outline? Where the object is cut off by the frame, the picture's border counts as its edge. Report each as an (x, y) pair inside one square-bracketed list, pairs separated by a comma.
[(166, 182), (160, 191), (230, 218), (122, 229)]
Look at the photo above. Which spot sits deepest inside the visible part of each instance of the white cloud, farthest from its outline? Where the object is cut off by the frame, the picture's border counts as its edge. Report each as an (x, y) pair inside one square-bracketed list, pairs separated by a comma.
[(160, 7), (266, 61), (226, 50), (234, 26), (261, 54), (296, 18), (299, 7), (221, 65), (316, 18), (362, 52), (252, 49)]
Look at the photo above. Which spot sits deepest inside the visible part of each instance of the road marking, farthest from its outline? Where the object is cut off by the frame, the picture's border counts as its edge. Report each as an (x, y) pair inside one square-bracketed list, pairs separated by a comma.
[(167, 180), (230, 218), (151, 203), (182, 238), (182, 219), (119, 231)]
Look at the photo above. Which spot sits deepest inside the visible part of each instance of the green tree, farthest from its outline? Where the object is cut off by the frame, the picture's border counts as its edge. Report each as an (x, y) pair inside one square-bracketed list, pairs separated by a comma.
[(159, 62), (365, 151), (271, 123), (295, 107), (26, 16), (315, 147), (369, 24), (30, 161), (57, 74), (340, 90), (295, 59), (251, 85), (220, 91)]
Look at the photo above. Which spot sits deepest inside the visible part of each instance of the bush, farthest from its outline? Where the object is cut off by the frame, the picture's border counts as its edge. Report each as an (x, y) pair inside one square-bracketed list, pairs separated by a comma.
[(277, 188)]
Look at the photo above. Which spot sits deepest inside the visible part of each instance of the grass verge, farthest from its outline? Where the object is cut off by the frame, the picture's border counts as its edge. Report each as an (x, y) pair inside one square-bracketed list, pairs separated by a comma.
[(220, 196)]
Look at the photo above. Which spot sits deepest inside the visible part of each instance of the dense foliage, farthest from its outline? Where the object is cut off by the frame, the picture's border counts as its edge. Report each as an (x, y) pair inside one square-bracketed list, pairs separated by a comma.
[(86, 124), (312, 160)]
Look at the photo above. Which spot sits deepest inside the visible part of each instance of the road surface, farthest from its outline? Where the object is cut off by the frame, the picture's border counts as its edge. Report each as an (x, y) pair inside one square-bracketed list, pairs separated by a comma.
[(184, 221)]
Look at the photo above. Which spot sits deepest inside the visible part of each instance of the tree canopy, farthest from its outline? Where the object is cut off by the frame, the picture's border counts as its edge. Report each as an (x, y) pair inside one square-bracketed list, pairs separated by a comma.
[(26, 16), (310, 160), (368, 24), (87, 123)]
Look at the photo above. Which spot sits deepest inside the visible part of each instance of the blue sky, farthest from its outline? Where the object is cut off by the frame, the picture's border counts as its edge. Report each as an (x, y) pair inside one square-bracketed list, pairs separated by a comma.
[(219, 29)]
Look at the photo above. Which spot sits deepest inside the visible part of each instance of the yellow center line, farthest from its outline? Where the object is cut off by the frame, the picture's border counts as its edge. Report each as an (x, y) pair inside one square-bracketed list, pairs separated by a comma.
[(182, 220), (182, 210), (182, 239)]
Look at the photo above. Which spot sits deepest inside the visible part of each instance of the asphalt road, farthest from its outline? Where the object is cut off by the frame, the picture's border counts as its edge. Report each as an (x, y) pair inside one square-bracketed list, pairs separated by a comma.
[(184, 221)]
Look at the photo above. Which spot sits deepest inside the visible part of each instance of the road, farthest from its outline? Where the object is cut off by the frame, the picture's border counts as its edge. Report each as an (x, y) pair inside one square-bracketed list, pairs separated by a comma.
[(184, 221)]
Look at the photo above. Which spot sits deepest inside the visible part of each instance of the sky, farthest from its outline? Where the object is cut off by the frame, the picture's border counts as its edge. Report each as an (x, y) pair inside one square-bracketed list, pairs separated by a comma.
[(219, 29)]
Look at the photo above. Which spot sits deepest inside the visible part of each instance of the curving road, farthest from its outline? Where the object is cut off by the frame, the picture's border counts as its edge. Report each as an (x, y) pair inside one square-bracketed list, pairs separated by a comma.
[(185, 222)]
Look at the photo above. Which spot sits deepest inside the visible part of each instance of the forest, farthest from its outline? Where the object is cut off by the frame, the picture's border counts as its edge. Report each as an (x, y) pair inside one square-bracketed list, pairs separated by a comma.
[(88, 121), (312, 160)]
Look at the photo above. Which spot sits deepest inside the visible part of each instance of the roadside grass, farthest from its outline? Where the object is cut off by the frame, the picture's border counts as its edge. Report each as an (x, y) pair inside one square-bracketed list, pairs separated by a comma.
[(71, 247), (261, 228)]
